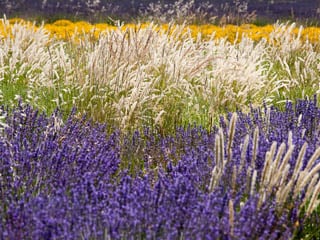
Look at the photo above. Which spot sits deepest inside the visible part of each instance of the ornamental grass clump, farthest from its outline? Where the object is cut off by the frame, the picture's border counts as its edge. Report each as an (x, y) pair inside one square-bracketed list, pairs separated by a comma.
[(155, 75), (256, 176)]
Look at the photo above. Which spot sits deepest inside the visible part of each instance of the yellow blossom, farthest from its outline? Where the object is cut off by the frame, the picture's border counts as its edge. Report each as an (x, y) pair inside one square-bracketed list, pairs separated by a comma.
[(67, 30)]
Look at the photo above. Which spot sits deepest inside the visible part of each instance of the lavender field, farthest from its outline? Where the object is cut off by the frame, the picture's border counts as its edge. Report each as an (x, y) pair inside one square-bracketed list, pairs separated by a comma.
[(254, 177)]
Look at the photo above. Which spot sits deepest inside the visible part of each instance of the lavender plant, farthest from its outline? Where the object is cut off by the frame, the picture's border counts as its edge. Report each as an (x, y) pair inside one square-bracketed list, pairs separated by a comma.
[(256, 176), (46, 169)]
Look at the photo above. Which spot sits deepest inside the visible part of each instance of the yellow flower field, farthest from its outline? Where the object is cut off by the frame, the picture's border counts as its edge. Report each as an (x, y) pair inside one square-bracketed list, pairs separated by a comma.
[(66, 30)]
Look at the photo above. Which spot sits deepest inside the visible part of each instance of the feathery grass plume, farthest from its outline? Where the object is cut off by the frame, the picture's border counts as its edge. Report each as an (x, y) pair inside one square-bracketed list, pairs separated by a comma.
[(299, 120), (299, 162), (249, 174), (290, 141), (284, 34), (283, 193), (286, 158), (231, 132), (312, 160), (305, 177), (275, 173), (265, 177), (278, 157), (253, 182), (279, 177), (231, 216), (282, 174), (267, 119), (3, 123), (268, 166), (310, 190), (234, 178), (215, 176), (255, 147), (244, 150), (275, 176), (219, 160), (314, 201)]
